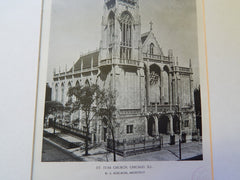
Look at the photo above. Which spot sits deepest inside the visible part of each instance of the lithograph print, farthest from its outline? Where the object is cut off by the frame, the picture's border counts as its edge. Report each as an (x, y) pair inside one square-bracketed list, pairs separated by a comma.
[(122, 83)]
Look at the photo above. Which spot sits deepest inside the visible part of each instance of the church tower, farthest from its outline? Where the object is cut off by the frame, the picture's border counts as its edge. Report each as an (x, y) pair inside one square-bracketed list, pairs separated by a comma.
[(121, 65)]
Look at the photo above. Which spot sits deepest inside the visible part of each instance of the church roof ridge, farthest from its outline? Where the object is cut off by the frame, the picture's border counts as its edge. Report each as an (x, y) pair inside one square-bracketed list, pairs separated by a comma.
[(144, 36), (86, 58), (90, 52)]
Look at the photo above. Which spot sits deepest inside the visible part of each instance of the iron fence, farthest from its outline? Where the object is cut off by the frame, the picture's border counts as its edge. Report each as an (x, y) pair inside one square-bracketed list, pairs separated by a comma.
[(135, 146)]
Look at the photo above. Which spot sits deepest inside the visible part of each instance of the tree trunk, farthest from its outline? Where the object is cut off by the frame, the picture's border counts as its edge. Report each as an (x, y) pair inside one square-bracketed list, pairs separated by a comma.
[(86, 141), (114, 150), (54, 126)]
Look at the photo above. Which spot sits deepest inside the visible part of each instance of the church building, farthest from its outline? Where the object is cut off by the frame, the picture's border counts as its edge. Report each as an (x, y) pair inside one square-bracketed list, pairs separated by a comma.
[(154, 94)]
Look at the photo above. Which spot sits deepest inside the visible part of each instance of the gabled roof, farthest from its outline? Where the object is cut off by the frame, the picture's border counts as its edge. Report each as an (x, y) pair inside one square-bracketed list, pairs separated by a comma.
[(144, 36), (86, 59)]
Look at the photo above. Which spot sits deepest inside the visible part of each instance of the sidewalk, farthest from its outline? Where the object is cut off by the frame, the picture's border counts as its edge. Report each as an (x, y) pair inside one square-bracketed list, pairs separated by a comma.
[(99, 153), (169, 153)]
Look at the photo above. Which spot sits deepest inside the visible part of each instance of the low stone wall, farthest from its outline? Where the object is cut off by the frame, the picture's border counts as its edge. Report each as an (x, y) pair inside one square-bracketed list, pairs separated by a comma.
[(135, 146)]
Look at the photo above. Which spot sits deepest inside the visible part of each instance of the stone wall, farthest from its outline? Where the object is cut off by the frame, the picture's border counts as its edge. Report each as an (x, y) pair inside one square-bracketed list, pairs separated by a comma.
[(138, 123)]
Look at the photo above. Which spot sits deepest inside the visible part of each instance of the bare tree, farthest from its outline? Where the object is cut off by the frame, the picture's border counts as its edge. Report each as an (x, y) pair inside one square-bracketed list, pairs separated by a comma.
[(85, 100), (107, 112)]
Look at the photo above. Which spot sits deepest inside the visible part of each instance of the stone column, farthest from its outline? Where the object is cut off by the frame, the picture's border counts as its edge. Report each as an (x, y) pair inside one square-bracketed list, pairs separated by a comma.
[(53, 92), (146, 126), (156, 125), (180, 125), (171, 125), (173, 91), (100, 132), (191, 91), (148, 82), (145, 104), (113, 77), (170, 91), (97, 132), (194, 122), (191, 84), (92, 140), (156, 109), (140, 88), (178, 91), (161, 92)]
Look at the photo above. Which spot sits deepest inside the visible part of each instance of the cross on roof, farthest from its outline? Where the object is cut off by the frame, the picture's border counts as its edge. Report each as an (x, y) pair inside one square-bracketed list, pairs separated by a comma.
[(151, 25)]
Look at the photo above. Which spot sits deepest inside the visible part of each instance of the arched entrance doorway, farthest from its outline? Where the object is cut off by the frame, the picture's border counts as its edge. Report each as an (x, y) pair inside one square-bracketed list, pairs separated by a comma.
[(163, 124), (176, 125), (151, 126)]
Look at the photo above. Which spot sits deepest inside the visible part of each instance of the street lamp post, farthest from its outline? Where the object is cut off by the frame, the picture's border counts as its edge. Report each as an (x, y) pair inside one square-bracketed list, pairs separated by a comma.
[(180, 150)]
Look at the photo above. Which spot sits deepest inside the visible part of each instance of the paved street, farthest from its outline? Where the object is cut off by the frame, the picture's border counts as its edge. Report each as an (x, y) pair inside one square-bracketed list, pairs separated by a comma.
[(51, 153), (188, 149)]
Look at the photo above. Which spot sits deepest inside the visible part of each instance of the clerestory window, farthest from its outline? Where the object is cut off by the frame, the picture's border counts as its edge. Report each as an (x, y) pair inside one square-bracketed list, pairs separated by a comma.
[(62, 97)]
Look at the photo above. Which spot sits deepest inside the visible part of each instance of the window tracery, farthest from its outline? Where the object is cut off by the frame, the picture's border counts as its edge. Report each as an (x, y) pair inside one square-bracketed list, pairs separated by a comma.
[(126, 22), (111, 23)]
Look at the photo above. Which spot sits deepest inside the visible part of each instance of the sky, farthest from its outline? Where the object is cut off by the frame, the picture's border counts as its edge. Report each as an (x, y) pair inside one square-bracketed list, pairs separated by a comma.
[(76, 29)]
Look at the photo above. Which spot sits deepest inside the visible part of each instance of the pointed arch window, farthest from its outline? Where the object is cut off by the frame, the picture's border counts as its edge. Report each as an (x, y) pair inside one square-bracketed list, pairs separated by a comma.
[(111, 24), (166, 84), (87, 83), (126, 29), (126, 25), (69, 86), (62, 89), (151, 49), (77, 83), (56, 92)]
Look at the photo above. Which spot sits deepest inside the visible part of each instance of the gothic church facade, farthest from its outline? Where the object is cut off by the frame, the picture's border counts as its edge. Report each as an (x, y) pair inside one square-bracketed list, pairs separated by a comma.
[(154, 93)]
